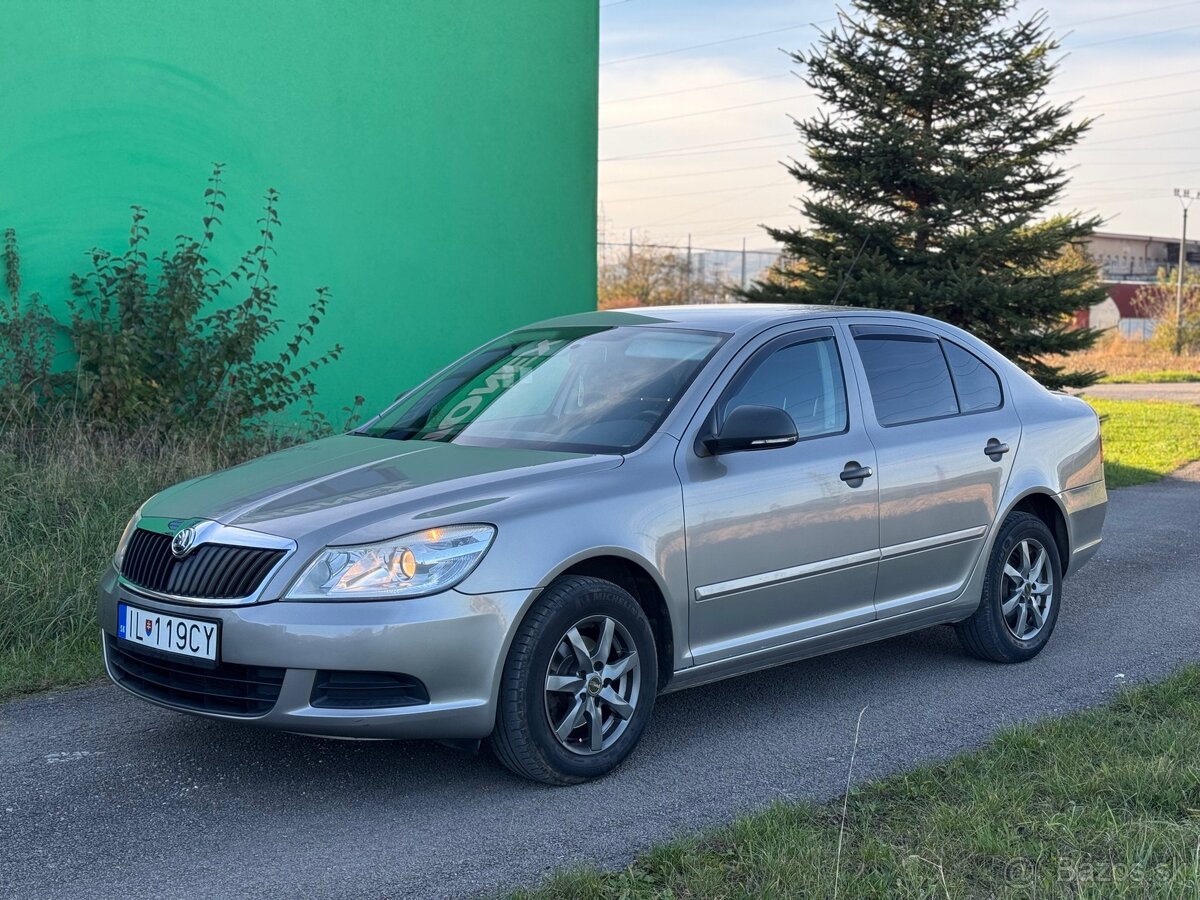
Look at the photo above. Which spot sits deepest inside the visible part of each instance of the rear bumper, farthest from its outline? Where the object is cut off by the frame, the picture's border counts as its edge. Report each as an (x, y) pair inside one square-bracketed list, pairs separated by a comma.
[(453, 643), (1086, 507)]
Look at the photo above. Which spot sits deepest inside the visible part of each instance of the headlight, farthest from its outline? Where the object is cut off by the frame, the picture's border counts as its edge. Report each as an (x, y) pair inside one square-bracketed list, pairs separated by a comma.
[(409, 566), (123, 543)]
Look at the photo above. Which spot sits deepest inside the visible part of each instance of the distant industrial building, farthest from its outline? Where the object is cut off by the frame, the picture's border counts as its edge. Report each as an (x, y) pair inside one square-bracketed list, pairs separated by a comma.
[(1137, 257), (1128, 261)]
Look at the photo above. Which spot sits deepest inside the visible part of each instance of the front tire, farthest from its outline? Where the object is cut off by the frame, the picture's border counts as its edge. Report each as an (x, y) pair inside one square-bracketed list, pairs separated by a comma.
[(579, 683), (1022, 591)]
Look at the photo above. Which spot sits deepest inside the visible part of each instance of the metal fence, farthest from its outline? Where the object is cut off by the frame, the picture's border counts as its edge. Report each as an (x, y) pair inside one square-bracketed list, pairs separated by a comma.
[(706, 274)]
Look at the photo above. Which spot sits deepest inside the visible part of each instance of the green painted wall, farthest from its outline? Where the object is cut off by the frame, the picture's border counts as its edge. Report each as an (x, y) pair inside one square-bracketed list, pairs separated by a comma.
[(436, 158)]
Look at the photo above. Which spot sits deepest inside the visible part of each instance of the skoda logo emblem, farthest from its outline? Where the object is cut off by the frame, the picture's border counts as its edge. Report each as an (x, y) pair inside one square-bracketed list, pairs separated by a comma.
[(181, 544)]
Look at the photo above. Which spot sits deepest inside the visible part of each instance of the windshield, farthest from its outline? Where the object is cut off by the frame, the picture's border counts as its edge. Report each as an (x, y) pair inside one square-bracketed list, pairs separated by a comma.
[(586, 390)]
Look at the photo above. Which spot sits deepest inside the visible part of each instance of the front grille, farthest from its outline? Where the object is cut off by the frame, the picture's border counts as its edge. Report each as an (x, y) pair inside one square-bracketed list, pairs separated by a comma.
[(366, 690), (229, 688), (210, 572)]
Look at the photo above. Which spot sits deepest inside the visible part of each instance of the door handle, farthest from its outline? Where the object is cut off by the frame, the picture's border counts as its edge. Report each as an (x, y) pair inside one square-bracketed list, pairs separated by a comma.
[(855, 472), (995, 449)]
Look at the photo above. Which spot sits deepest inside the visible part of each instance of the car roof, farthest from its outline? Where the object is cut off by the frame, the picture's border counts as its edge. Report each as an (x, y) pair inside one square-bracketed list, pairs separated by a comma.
[(726, 317)]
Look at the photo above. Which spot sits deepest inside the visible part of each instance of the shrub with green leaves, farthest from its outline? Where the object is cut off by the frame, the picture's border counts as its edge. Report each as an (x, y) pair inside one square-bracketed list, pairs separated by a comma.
[(180, 340), (27, 332)]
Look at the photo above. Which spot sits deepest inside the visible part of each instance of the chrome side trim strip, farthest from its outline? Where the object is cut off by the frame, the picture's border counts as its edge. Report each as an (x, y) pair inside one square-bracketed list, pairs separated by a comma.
[(793, 573), (938, 540), (733, 586)]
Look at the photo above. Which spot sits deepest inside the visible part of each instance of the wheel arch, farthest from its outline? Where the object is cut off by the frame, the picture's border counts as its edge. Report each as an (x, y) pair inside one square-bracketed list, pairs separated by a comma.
[(1047, 507), (635, 576)]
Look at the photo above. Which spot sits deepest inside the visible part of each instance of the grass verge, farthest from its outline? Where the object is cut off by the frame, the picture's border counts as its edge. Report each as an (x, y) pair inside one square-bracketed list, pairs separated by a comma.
[(66, 491), (1103, 803), (1145, 440)]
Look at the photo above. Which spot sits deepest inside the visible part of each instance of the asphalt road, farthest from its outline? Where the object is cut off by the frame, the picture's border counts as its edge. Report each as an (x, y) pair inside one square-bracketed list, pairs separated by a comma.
[(105, 796)]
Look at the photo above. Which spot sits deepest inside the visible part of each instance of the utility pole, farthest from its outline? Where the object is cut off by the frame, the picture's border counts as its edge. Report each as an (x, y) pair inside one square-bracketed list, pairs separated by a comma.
[(743, 264), (629, 261), (1185, 200), (689, 270)]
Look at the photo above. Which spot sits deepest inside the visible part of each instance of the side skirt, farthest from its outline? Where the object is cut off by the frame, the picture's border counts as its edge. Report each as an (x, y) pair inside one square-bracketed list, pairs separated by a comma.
[(868, 632)]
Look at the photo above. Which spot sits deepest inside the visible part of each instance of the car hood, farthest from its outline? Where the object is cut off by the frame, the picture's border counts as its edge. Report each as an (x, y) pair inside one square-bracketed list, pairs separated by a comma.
[(341, 485)]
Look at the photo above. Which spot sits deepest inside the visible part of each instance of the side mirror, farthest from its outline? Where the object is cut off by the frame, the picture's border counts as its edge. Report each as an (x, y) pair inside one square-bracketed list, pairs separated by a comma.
[(753, 428)]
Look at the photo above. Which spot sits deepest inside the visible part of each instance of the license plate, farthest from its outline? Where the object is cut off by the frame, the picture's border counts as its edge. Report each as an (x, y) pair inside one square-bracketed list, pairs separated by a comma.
[(167, 633)]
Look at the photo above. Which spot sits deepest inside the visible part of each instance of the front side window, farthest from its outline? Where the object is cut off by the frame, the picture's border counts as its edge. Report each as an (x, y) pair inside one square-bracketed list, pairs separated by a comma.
[(907, 375), (579, 389), (803, 378)]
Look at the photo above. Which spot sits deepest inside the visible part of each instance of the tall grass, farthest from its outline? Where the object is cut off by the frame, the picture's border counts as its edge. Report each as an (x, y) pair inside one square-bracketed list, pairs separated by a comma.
[(67, 488), (1121, 359)]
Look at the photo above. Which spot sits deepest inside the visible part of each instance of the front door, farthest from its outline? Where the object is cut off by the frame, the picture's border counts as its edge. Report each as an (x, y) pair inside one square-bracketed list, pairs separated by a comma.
[(780, 547)]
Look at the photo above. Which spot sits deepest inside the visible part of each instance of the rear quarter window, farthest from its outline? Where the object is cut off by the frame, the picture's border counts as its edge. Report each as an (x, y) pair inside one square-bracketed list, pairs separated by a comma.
[(977, 384)]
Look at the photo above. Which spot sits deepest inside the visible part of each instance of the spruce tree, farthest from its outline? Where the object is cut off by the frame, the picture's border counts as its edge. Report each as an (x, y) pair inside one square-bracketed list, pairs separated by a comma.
[(930, 173)]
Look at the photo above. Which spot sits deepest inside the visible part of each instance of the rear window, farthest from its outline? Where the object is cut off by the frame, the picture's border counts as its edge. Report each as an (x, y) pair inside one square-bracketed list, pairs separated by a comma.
[(907, 375)]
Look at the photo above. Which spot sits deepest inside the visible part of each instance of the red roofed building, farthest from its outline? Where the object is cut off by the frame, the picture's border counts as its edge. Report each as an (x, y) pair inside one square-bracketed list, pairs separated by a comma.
[(1118, 311)]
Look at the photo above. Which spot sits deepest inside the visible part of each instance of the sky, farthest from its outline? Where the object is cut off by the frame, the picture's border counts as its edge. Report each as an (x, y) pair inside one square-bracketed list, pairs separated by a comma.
[(692, 137)]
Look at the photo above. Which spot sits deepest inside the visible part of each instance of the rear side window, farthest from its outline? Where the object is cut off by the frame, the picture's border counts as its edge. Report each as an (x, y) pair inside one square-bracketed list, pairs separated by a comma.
[(977, 385), (803, 378), (907, 375)]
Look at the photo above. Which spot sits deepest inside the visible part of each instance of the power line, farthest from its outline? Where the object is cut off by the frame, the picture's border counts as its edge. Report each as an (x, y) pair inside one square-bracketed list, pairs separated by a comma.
[(1134, 37), (1106, 122), (1136, 100), (740, 37), (704, 112), (743, 187), (1133, 137), (667, 152), (1134, 178), (672, 150), (791, 143), (1135, 150), (1126, 15), (689, 174), (1138, 12), (1088, 87), (692, 90), (1072, 184), (722, 221)]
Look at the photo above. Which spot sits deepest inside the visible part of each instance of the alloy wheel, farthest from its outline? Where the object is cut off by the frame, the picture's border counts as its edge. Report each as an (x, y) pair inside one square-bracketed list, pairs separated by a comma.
[(592, 685), (1028, 589)]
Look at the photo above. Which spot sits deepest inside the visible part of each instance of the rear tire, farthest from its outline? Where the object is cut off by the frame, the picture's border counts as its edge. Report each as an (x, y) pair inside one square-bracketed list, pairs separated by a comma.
[(579, 683), (1022, 591)]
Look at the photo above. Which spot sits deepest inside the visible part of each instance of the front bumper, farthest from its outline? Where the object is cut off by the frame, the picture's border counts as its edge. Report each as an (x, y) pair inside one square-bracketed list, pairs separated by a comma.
[(454, 643)]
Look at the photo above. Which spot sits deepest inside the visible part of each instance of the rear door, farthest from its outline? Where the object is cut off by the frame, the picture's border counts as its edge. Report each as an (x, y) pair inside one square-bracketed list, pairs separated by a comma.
[(779, 546), (945, 436)]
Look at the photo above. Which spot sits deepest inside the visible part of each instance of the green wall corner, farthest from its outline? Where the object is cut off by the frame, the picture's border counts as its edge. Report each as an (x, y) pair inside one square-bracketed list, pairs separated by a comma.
[(436, 160)]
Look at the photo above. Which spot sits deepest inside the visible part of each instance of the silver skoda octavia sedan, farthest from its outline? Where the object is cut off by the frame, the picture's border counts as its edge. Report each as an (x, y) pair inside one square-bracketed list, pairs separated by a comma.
[(532, 545)]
